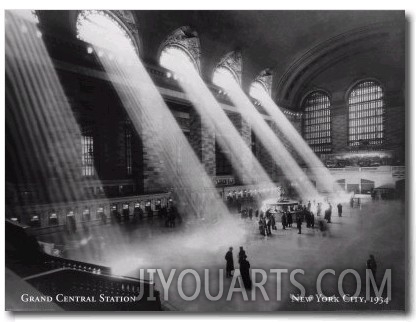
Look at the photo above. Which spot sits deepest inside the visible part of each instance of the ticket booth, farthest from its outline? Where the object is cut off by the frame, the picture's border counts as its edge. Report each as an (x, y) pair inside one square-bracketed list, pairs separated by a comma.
[(126, 212), (14, 219), (115, 215), (148, 208), (35, 221), (71, 224), (157, 203), (53, 218), (137, 211), (86, 214), (101, 215)]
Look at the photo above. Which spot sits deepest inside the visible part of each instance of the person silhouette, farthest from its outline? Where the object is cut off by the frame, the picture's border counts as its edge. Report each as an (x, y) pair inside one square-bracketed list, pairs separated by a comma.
[(229, 262)]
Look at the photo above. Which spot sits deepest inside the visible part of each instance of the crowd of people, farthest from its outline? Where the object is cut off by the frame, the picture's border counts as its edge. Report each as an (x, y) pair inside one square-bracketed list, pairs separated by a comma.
[(310, 213), (314, 214)]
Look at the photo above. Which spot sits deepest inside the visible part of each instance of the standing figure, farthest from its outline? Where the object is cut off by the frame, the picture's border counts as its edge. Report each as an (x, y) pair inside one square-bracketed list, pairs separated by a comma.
[(245, 272), (229, 262), (327, 215), (351, 202), (268, 225), (299, 224), (289, 219), (284, 220), (339, 209), (273, 222), (242, 254), (371, 264), (307, 217), (261, 226), (330, 212), (319, 209), (309, 206)]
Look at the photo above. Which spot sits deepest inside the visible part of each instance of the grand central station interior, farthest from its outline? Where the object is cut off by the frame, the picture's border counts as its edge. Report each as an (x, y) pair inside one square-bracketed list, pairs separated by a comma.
[(159, 139)]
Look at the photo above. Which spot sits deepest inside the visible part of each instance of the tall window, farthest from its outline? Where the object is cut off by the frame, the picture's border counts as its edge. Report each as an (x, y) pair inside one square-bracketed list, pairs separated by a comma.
[(128, 147), (223, 75), (228, 70), (181, 46), (223, 165), (87, 157), (101, 28), (262, 85), (317, 122), (257, 90), (175, 57), (366, 115)]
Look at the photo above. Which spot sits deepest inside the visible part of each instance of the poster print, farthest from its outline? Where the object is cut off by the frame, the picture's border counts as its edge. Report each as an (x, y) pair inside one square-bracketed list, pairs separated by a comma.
[(204, 161)]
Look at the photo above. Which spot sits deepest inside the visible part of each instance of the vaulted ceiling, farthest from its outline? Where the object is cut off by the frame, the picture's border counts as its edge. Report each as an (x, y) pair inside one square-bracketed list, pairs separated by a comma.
[(275, 39)]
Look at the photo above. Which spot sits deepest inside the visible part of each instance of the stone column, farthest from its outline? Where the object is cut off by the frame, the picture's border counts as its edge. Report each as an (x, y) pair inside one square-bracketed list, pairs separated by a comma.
[(202, 139)]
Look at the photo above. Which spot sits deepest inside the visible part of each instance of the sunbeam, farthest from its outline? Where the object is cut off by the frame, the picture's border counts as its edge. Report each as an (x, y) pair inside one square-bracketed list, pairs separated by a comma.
[(195, 194), (320, 173), (243, 161)]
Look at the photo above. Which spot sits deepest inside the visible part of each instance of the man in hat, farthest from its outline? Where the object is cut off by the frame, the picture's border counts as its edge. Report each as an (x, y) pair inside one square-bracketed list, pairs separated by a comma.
[(229, 262)]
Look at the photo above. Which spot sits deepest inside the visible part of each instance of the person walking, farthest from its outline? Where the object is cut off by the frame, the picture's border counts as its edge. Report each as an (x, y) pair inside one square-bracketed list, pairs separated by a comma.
[(229, 262), (245, 272), (371, 264), (284, 220), (289, 219), (319, 209), (299, 224), (242, 254), (339, 209)]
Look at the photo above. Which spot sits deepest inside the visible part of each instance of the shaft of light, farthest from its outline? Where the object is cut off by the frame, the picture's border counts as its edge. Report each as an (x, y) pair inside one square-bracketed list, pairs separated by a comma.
[(159, 130), (43, 135), (271, 142), (213, 116), (321, 174), (40, 118)]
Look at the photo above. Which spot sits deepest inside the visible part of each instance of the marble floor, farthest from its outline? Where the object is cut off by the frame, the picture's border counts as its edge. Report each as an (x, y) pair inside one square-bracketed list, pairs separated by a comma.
[(376, 228)]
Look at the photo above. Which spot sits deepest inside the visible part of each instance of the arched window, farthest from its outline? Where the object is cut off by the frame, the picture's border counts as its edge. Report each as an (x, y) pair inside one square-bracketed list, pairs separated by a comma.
[(366, 115), (182, 46), (173, 57), (257, 90), (102, 28), (262, 85), (317, 122), (229, 69), (223, 75)]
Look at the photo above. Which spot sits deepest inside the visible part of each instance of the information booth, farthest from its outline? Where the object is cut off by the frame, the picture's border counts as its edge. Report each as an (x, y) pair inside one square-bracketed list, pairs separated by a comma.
[(281, 206)]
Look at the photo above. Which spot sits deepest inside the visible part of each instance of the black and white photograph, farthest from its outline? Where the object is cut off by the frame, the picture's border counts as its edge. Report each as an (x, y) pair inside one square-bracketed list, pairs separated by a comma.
[(206, 161)]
